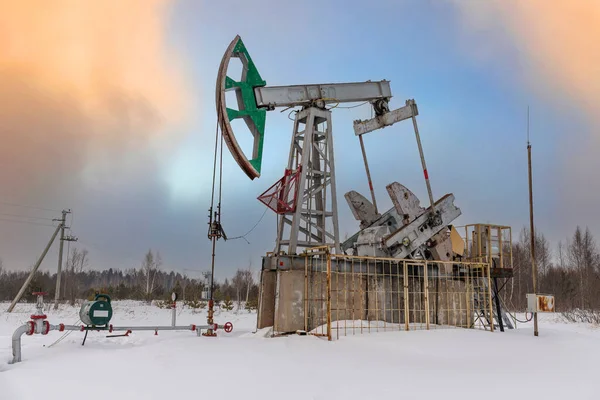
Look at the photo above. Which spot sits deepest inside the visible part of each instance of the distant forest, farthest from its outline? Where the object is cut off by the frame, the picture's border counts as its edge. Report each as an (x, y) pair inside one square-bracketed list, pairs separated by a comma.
[(149, 282), (571, 272)]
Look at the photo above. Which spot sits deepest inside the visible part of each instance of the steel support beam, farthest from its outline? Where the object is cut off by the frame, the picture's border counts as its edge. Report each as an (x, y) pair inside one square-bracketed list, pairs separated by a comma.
[(329, 93), (314, 221), (408, 111)]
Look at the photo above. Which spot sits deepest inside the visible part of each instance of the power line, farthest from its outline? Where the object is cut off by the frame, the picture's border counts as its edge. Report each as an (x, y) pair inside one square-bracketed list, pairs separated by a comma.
[(26, 222), (25, 216), (255, 225), (28, 206)]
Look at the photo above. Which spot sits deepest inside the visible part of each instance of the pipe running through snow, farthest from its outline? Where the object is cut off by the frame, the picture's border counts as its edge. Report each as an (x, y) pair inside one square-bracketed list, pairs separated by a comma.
[(43, 327), (16, 342)]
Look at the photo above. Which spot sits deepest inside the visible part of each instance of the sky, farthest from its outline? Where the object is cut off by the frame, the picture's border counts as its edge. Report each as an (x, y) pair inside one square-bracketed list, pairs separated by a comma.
[(108, 109)]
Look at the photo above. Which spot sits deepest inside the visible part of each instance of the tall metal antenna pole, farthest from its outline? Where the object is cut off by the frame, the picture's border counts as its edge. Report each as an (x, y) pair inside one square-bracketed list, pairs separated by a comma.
[(533, 263)]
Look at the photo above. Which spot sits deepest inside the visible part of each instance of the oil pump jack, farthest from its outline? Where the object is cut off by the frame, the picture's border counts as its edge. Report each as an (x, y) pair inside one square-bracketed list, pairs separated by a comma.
[(305, 198)]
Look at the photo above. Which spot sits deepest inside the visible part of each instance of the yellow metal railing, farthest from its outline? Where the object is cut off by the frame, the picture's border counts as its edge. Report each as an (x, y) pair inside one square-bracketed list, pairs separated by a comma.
[(347, 295)]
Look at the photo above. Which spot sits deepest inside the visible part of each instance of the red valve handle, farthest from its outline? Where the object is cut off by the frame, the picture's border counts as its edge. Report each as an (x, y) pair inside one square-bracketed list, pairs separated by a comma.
[(228, 327), (39, 293)]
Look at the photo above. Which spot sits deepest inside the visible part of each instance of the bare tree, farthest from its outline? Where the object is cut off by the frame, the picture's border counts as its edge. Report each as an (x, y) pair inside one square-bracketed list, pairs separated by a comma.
[(585, 259), (561, 254), (150, 266), (77, 261), (242, 282), (238, 284), (543, 257)]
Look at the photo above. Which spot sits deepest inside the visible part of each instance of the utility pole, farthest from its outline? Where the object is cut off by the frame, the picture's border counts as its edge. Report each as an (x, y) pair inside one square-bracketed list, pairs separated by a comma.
[(533, 263), (63, 222), (33, 271)]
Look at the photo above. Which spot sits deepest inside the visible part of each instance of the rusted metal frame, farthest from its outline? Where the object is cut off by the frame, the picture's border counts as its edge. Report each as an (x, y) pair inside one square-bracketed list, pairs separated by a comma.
[(511, 248), (489, 290), (376, 297), (384, 300), (325, 316), (398, 275), (346, 302), (328, 296), (363, 296), (490, 253), (447, 296), (416, 262), (500, 247), (470, 319), (306, 305), (467, 248), (406, 300), (277, 286), (426, 280), (368, 294), (337, 303), (484, 296), (479, 242)]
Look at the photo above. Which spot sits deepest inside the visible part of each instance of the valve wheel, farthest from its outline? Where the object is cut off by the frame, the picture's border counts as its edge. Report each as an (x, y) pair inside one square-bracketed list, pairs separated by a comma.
[(228, 327)]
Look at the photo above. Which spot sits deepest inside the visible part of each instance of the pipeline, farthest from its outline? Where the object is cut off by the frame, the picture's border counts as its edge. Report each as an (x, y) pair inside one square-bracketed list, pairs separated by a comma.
[(41, 326), (16, 342), (38, 324)]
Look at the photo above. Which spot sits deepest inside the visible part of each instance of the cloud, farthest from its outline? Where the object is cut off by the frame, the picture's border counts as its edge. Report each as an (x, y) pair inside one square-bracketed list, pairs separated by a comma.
[(85, 87), (551, 49), (555, 42)]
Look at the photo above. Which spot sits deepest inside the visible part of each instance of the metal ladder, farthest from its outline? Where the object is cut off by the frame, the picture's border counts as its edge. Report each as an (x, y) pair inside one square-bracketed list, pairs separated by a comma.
[(479, 302)]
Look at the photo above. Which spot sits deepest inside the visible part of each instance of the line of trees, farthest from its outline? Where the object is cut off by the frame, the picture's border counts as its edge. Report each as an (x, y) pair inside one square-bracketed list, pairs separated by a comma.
[(148, 282), (571, 273)]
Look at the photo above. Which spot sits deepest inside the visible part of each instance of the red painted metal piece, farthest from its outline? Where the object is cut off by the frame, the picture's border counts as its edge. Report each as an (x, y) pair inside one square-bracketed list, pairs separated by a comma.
[(281, 196), (228, 327), (31, 326)]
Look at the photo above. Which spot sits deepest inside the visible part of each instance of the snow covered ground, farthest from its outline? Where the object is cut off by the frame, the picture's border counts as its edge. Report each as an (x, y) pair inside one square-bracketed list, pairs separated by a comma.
[(562, 363)]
